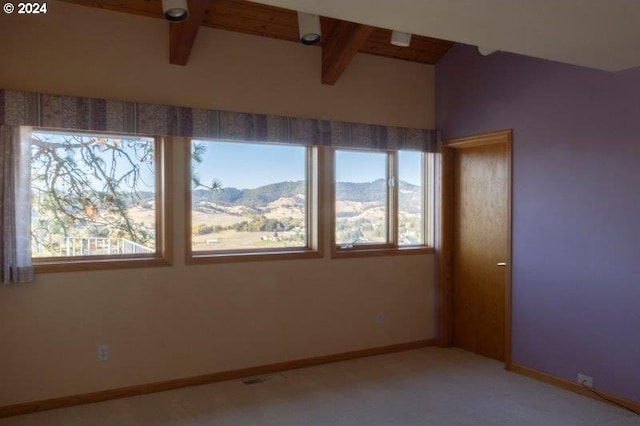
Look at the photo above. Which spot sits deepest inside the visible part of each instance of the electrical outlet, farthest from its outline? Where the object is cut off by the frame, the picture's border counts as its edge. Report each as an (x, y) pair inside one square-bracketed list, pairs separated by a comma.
[(380, 317), (103, 353), (585, 381)]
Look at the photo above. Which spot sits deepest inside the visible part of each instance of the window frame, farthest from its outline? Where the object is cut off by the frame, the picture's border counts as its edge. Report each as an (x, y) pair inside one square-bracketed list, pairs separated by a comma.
[(163, 215), (392, 246), (314, 241)]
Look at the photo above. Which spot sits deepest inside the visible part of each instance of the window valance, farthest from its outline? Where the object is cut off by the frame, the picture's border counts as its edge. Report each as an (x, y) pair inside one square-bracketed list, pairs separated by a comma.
[(55, 111)]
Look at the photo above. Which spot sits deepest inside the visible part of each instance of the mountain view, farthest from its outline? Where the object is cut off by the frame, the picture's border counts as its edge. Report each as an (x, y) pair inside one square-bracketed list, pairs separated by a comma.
[(100, 199), (273, 216)]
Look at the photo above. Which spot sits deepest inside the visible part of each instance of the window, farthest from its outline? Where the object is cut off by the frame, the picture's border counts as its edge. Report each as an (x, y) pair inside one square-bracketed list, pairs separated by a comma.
[(411, 198), (362, 194), (95, 198), (250, 199), (381, 201)]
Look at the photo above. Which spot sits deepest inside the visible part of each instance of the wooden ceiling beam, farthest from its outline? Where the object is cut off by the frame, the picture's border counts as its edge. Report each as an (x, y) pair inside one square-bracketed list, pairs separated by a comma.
[(269, 21), (182, 35), (340, 47)]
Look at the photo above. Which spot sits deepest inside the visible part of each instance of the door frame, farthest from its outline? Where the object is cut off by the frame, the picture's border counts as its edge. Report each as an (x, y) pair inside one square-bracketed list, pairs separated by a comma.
[(444, 242)]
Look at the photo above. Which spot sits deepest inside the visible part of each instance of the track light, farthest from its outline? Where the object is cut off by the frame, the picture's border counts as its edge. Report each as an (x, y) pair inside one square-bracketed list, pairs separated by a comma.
[(175, 10), (486, 51), (398, 38), (309, 28)]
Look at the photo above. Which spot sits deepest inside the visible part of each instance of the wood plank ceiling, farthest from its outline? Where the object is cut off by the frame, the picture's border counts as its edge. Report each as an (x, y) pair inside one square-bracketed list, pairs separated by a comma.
[(341, 40)]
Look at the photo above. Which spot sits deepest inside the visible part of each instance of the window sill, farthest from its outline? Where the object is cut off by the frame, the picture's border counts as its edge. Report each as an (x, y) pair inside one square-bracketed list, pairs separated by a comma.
[(195, 258), (74, 265), (380, 251)]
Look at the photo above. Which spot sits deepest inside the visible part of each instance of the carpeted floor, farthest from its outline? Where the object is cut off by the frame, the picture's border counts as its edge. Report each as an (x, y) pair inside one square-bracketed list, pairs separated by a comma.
[(432, 386)]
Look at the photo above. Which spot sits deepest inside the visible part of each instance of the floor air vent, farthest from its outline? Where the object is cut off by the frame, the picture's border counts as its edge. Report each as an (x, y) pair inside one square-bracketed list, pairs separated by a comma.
[(263, 379)]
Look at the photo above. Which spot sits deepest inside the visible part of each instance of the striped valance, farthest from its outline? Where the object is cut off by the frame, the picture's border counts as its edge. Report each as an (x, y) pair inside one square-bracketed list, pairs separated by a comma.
[(68, 112)]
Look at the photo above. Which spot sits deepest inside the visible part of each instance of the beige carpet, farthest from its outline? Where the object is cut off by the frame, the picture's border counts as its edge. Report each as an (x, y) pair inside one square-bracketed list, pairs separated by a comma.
[(432, 386)]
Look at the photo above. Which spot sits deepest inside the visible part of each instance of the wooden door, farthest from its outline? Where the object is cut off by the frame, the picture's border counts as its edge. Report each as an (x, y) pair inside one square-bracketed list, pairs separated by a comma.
[(481, 246)]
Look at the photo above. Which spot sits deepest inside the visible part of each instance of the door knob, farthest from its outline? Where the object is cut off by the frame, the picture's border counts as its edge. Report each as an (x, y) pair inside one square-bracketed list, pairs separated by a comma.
[(502, 264)]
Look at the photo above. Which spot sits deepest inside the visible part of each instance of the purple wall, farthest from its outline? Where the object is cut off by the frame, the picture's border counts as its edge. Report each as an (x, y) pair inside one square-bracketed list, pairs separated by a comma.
[(576, 205)]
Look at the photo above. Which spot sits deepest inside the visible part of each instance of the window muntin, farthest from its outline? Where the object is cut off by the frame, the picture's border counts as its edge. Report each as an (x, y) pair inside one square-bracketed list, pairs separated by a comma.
[(361, 197), (94, 196), (249, 198)]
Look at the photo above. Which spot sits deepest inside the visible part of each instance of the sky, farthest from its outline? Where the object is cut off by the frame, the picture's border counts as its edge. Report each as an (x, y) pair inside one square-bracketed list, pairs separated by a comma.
[(246, 166)]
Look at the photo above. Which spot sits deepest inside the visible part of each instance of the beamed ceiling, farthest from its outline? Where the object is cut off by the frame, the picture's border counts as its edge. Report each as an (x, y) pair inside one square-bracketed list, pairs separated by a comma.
[(341, 40)]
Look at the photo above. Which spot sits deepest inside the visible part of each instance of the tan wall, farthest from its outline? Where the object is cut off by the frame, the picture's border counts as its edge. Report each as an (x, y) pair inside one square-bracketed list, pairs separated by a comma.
[(75, 50), (180, 321)]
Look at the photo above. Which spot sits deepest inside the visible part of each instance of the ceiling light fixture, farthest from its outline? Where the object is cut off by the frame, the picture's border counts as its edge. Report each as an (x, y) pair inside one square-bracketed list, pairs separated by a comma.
[(309, 28), (398, 38), (175, 10), (486, 51)]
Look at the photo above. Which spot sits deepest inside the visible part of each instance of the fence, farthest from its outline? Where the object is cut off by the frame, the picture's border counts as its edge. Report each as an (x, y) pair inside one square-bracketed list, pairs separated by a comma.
[(94, 246)]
